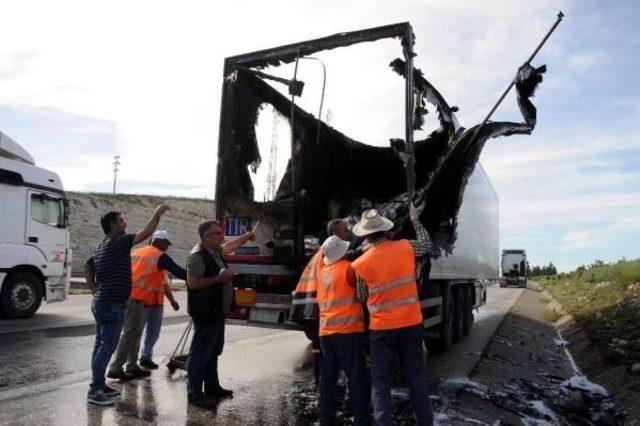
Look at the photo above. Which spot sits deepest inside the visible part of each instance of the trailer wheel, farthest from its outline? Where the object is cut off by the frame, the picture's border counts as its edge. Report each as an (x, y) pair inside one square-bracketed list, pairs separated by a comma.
[(468, 310), (21, 295), (458, 315)]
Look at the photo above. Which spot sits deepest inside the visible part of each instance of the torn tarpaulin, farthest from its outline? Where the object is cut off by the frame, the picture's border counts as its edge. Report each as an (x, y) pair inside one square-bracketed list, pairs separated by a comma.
[(339, 176)]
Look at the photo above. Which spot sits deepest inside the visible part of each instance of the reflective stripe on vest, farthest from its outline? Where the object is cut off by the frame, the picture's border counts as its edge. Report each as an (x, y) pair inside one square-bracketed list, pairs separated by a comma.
[(355, 319), (392, 284), (148, 282), (392, 303), (388, 270), (340, 310)]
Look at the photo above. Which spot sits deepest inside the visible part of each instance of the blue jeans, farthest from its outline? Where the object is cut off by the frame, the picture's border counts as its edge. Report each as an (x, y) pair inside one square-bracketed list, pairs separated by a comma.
[(344, 352), (152, 324), (202, 364), (404, 344), (109, 317)]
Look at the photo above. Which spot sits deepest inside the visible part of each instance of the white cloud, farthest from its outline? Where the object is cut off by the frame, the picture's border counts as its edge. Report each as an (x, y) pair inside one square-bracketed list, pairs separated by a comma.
[(149, 75)]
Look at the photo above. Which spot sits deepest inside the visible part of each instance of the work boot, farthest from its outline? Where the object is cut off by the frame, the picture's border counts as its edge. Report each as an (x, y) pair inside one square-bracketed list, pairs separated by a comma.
[(109, 391), (203, 402), (221, 393), (138, 372), (99, 398), (120, 375), (147, 363)]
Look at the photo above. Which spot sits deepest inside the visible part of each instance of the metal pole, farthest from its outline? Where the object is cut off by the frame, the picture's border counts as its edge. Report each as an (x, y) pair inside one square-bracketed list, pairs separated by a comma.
[(116, 163), (513, 82), (409, 148), (294, 193)]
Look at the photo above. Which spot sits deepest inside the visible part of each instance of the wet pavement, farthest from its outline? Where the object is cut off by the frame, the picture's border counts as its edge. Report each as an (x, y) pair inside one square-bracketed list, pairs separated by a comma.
[(73, 312), (44, 377)]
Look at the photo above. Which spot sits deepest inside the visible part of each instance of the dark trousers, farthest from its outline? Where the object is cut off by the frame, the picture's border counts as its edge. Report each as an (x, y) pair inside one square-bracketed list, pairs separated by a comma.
[(109, 318), (404, 344), (202, 364), (344, 352)]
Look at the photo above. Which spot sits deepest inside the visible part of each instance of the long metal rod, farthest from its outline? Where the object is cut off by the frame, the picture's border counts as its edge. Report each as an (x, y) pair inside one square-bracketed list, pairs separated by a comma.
[(513, 82), (409, 113), (294, 192)]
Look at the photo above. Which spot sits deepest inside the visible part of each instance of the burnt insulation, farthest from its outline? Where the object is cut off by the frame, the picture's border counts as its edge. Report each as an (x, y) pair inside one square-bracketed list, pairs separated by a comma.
[(337, 176)]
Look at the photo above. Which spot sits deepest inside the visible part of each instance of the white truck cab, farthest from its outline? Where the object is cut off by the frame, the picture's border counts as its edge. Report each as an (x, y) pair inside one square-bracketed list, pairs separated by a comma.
[(35, 255)]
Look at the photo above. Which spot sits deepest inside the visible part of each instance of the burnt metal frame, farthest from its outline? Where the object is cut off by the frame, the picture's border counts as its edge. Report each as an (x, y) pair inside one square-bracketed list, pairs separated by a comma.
[(289, 53)]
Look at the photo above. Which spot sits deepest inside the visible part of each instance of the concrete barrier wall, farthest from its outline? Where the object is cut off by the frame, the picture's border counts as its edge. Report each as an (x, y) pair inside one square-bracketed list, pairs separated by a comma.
[(85, 210)]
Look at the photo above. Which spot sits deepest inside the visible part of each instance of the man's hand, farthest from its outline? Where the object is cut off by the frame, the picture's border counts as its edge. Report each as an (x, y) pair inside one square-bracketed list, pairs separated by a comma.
[(415, 211), (175, 305), (250, 236), (226, 275), (162, 209)]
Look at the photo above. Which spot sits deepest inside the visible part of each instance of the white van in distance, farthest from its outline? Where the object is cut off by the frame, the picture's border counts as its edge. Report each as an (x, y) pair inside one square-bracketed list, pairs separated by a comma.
[(35, 258)]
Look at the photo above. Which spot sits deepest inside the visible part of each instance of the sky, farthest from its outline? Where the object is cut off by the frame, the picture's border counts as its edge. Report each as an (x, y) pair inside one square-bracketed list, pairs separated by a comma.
[(82, 81)]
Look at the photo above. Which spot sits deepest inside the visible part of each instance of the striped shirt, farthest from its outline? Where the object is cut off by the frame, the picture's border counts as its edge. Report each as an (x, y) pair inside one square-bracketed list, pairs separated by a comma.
[(111, 263)]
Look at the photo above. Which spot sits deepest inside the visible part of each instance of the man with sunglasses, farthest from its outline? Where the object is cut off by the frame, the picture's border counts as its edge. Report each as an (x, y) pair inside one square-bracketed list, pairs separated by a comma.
[(210, 295)]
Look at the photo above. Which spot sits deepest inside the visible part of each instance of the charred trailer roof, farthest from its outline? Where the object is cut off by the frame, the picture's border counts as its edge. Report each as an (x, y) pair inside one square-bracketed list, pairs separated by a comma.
[(333, 175)]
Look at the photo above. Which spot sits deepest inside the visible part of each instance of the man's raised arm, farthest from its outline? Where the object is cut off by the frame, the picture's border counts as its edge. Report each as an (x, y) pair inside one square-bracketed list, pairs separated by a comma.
[(151, 225)]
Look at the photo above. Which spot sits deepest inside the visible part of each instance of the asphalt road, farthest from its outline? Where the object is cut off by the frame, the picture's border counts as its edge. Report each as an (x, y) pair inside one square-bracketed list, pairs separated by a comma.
[(44, 374)]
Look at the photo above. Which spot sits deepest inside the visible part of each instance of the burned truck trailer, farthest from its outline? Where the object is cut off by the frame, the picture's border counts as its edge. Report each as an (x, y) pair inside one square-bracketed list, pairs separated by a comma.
[(329, 175)]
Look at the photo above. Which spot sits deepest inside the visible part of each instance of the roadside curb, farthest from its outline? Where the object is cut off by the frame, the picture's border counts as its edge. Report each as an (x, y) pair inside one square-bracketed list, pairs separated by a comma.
[(80, 328)]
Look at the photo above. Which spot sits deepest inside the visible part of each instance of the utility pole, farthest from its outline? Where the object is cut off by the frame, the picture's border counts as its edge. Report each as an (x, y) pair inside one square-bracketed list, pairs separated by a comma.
[(116, 163)]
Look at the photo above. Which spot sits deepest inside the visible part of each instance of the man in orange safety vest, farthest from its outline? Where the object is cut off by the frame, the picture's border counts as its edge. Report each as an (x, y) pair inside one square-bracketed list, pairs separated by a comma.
[(388, 270), (341, 337), (150, 266), (305, 308)]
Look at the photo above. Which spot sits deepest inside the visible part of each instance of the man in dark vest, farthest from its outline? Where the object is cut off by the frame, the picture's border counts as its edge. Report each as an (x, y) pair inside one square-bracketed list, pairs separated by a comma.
[(210, 295)]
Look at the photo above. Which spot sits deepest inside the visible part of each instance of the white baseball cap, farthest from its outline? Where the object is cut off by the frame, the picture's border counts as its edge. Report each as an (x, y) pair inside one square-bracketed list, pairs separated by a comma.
[(334, 248), (161, 235)]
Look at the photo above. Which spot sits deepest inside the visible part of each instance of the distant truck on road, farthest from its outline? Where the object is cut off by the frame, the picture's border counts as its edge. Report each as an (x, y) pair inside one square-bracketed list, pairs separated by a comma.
[(514, 268), (35, 256)]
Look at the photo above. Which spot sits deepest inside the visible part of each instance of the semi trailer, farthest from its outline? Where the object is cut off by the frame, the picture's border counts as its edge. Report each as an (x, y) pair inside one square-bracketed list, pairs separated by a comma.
[(35, 255), (327, 174)]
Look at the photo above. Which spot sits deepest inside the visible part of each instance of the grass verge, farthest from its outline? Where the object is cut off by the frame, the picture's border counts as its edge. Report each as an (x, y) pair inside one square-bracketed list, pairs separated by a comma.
[(605, 301)]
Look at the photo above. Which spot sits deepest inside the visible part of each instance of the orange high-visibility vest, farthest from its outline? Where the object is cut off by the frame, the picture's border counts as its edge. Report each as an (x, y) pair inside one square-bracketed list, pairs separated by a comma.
[(148, 282), (340, 310), (306, 290), (388, 270)]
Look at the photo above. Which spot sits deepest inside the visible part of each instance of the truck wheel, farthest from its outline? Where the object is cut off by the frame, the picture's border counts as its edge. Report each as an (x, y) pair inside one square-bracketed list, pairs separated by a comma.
[(458, 315), (468, 310), (21, 295)]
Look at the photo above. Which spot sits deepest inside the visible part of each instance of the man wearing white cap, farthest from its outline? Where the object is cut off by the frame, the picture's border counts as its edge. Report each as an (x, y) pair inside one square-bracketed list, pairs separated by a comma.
[(387, 269), (341, 336), (149, 268)]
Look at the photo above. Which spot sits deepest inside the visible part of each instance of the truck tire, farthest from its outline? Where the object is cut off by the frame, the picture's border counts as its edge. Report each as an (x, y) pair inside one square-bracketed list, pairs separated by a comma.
[(21, 295), (458, 315), (468, 310)]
